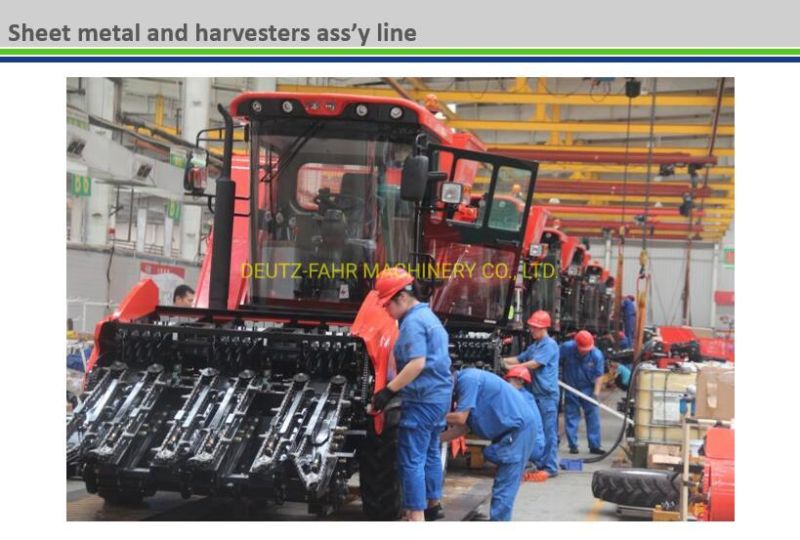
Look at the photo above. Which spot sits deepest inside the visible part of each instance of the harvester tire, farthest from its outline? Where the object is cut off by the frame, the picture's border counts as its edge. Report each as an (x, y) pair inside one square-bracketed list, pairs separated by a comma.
[(644, 488), (379, 482)]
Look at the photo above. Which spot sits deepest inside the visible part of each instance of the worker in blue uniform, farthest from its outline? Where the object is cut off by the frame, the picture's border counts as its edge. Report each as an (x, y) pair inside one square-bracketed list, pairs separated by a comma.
[(541, 356), (624, 341), (583, 365), (494, 410), (623, 375), (519, 377), (425, 386), (628, 309)]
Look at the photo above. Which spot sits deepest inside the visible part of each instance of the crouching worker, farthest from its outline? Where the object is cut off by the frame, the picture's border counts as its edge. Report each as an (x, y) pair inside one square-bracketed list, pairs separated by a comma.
[(425, 387), (622, 376), (518, 377), (541, 356), (494, 410)]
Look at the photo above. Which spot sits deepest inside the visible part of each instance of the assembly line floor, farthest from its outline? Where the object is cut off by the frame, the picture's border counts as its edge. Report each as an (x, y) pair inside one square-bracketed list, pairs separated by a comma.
[(567, 497), (463, 494)]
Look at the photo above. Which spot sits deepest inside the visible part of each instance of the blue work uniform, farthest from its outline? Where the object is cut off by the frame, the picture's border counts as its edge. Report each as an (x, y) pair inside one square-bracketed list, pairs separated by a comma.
[(499, 413), (538, 430), (425, 402), (628, 309), (625, 342), (580, 372), (545, 391), (623, 376)]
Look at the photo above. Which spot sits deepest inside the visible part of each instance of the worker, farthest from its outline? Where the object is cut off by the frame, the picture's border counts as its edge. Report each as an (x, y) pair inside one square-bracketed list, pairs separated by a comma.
[(624, 341), (541, 356), (519, 377), (183, 296), (623, 375), (628, 309), (494, 410), (583, 370), (425, 386)]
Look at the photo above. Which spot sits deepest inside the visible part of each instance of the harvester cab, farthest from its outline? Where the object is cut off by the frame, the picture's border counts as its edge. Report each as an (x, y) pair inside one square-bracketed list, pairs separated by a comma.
[(575, 259), (544, 285), (595, 299), (260, 390)]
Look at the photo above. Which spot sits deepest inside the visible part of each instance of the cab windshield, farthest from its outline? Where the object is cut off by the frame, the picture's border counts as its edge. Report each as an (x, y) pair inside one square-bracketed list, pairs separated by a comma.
[(329, 213)]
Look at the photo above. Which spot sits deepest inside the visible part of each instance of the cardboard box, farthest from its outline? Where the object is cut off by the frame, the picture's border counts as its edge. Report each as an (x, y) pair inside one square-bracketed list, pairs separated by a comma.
[(715, 392), (663, 456)]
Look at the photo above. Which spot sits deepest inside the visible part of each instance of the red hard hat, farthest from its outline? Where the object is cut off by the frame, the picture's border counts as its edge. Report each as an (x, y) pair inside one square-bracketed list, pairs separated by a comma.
[(390, 282), (520, 372), (539, 319), (585, 341)]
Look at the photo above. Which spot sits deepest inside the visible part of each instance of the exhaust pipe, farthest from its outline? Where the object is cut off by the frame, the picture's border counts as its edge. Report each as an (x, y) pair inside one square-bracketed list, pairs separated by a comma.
[(223, 223)]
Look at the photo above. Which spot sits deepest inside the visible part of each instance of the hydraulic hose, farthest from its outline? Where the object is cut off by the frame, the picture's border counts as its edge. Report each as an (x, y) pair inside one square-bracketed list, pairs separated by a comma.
[(624, 426)]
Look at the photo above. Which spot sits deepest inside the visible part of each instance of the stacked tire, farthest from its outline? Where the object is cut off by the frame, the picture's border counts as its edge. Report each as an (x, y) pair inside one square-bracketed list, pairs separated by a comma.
[(645, 488)]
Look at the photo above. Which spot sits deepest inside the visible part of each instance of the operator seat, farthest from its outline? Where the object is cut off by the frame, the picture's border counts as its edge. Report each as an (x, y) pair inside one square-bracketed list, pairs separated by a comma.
[(352, 200)]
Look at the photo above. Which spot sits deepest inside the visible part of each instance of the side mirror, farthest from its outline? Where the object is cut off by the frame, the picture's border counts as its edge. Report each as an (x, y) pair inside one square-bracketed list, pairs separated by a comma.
[(195, 176), (414, 179), (451, 193)]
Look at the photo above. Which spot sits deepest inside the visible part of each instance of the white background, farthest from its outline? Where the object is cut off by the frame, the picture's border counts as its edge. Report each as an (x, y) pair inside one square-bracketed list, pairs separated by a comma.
[(33, 217)]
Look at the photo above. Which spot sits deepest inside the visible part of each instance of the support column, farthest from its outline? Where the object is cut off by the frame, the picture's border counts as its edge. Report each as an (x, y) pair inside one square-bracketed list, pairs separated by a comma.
[(78, 206), (196, 99), (76, 220), (141, 228), (168, 225), (265, 84), (97, 222), (100, 94), (714, 276), (608, 253), (191, 217), (100, 102)]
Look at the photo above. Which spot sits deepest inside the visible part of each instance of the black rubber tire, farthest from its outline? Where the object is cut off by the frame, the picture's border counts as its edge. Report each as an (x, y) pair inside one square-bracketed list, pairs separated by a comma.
[(644, 488), (378, 478)]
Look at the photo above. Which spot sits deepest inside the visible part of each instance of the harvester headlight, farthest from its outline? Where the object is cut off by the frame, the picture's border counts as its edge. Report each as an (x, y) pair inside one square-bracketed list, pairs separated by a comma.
[(361, 110), (256, 106), (287, 107), (451, 192), (536, 250), (396, 113)]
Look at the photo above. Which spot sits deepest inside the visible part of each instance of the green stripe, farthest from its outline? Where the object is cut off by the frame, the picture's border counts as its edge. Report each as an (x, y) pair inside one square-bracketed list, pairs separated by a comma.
[(405, 51)]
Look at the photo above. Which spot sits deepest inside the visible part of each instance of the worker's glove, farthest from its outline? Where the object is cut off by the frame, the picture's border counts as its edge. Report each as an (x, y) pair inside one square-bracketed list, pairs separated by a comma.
[(382, 399)]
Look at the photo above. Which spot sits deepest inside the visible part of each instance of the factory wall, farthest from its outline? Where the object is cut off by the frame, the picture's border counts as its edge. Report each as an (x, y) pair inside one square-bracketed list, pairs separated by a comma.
[(668, 265), (88, 286)]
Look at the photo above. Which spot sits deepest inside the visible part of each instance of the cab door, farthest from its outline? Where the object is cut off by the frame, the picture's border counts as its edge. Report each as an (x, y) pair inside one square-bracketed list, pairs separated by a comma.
[(477, 244)]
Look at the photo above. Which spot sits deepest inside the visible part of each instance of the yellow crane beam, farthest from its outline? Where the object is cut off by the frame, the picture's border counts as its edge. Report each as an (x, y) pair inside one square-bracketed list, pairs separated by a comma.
[(695, 152), (566, 214), (617, 169), (573, 126), (721, 185), (588, 231), (725, 202), (517, 97)]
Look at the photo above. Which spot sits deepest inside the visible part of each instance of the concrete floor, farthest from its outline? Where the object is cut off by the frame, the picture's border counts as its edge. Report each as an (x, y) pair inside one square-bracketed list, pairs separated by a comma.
[(568, 497)]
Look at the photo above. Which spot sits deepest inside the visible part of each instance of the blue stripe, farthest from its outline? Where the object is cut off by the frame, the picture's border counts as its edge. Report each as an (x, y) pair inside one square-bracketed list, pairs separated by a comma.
[(399, 59)]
